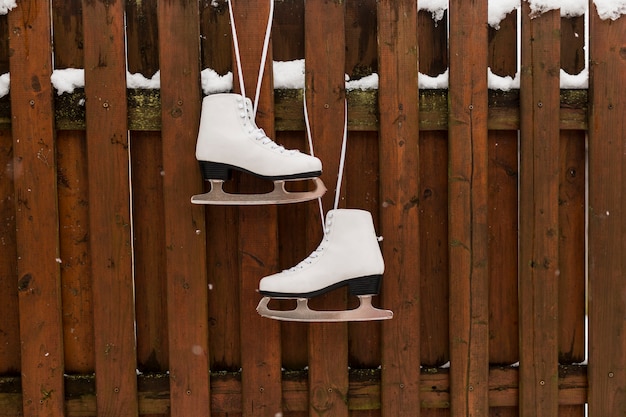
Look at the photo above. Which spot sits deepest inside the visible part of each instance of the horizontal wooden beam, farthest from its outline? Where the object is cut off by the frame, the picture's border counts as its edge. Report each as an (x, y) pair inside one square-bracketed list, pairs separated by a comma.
[(363, 394), (144, 110)]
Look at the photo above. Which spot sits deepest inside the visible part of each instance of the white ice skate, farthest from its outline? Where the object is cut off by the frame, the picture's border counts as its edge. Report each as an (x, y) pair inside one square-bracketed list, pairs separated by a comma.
[(229, 139), (349, 255)]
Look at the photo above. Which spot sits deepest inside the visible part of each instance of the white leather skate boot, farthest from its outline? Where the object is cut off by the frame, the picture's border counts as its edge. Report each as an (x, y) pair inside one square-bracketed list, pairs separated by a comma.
[(349, 255), (229, 139)]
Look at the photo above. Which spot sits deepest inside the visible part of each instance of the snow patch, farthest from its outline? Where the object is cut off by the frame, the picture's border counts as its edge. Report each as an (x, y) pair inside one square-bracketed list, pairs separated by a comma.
[(506, 83), (289, 74), (68, 79), (137, 80), (436, 7), (426, 82), (369, 82), (610, 9), (212, 82), (5, 82), (568, 8), (7, 5), (498, 10)]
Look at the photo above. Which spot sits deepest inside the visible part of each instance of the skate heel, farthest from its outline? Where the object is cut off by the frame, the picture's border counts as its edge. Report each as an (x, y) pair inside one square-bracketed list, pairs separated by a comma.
[(367, 285), (215, 171)]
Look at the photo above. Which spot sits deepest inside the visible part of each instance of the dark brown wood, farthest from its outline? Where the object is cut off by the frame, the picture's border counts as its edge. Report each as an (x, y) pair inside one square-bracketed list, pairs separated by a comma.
[(539, 214), (503, 209), (399, 198), (147, 198), (185, 232), (258, 233), (9, 304), (433, 252), (325, 69), (36, 211), (109, 208), (572, 233), (364, 338), (73, 200), (503, 247), (468, 191), (607, 288)]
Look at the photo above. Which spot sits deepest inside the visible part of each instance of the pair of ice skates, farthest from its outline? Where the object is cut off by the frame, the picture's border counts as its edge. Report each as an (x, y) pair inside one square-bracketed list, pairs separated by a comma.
[(349, 254)]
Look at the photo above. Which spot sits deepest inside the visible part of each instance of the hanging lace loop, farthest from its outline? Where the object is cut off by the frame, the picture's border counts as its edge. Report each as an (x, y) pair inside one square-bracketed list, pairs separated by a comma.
[(266, 42), (342, 156)]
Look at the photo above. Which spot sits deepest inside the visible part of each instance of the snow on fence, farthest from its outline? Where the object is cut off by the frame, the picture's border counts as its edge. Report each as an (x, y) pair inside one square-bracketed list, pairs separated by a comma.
[(500, 201)]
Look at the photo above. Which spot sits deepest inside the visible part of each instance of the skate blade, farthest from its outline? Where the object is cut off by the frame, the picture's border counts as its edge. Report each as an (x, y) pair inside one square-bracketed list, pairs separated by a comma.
[(364, 312), (279, 195)]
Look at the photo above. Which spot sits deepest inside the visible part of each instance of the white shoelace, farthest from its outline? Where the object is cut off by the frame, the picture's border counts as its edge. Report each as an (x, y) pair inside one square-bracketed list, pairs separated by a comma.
[(342, 157), (266, 42), (265, 140), (259, 133)]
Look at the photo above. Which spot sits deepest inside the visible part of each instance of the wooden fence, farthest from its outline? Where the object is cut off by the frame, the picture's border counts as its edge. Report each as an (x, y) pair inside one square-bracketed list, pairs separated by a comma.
[(118, 297)]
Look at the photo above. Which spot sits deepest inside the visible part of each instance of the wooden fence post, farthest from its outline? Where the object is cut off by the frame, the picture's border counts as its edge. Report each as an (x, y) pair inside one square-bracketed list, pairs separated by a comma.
[(185, 232), (258, 233), (607, 220), (36, 217), (468, 201), (399, 197), (109, 208), (539, 210), (324, 45)]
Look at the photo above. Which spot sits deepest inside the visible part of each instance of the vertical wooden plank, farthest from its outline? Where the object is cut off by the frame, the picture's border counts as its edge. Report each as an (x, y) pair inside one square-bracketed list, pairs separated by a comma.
[(9, 304), (361, 174), (73, 204), (468, 215), (147, 198), (36, 218), (288, 44), (258, 240), (216, 40), (109, 208), (361, 170), (399, 195), (361, 48), (607, 224), (433, 248), (185, 233), (503, 244), (433, 180), (572, 211), (324, 46), (539, 212), (221, 222)]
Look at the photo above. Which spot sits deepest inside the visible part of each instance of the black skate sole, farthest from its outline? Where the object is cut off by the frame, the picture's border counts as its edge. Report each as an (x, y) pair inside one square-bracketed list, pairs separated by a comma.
[(367, 285), (220, 171)]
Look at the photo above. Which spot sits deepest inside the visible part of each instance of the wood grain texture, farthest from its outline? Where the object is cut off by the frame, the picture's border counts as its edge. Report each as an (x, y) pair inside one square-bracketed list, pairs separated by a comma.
[(185, 232), (36, 211), (399, 197), (328, 342), (539, 214), (258, 233), (468, 191), (607, 288), (109, 208), (73, 200)]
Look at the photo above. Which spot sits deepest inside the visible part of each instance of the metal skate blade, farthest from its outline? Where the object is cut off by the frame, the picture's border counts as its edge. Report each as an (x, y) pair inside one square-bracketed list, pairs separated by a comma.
[(279, 195), (364, 312)]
